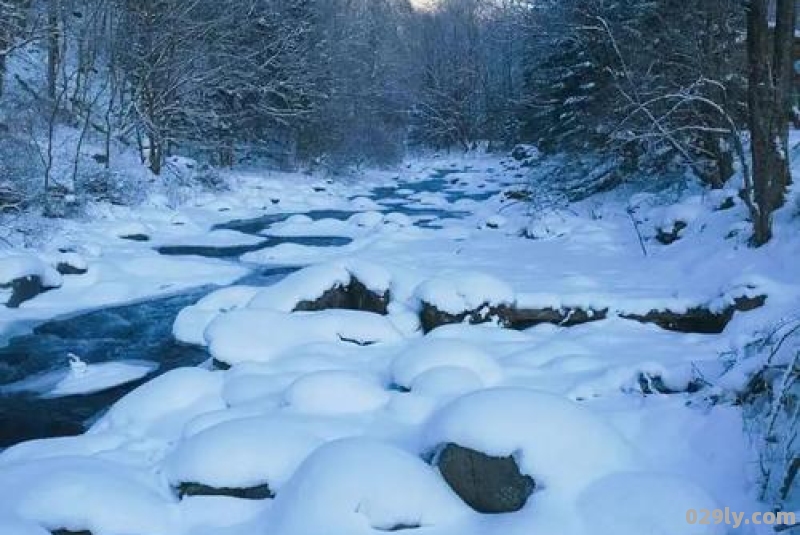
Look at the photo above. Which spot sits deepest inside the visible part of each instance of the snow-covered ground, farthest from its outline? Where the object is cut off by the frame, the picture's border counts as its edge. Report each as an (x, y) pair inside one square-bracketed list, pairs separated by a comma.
[(338, 411)]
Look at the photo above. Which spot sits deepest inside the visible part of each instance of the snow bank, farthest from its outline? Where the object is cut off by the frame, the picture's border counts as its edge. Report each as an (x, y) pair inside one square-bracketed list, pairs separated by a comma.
[(356, 486)]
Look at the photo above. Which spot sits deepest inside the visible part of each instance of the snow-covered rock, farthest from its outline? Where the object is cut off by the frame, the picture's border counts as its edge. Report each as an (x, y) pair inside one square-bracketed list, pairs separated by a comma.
[(261, 335), (360, 486), (241, 454)]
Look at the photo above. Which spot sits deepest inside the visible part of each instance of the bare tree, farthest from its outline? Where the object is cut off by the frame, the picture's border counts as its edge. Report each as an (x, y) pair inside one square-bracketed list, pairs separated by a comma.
[(771, 73)]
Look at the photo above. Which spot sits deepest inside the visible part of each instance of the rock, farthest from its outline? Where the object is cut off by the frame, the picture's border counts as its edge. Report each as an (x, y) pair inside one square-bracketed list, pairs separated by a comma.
[(700, 319), (135, 237), (67, 532), (509, 317), (431, 317), (521, 319), (24, 289), (487, 484), (67, 269), (522, 153), (522, 195), (668, 236), (261, 492), (353, 296), (654, 384)]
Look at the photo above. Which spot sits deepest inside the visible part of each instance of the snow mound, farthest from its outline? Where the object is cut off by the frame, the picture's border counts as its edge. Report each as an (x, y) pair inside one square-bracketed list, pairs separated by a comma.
[(310, 283), (85, 494), (635, 503), (355, 486), (336, 392), (261, 335), (460, 291), (446, 382), (192, 321), (432, 353), (19, 266), (563, 446), (162, 406), (241, 453)]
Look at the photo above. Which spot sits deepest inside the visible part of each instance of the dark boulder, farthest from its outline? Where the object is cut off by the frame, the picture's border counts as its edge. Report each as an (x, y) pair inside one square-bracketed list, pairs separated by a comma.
[(510, 317), (487, 484), (353, 296), (66, 268), (431, 317), (260, 492), (24, 289), (68, 532), (136, 237), (566, 317), (654, 384), (667, 236), (700, 319)]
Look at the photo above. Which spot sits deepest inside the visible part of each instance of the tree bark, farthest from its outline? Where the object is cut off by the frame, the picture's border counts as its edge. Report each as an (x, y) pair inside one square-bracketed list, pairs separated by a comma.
[(770, 73), (53, 47)]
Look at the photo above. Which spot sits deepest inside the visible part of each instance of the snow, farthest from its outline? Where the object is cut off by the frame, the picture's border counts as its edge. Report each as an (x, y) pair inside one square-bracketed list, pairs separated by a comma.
[(355, 486), (260, 335), (546, 434), (335, 392), (15, 266), (635, 503), (241, 453), (162, 406), (432, 353), (86, 494), (459, 291), (192, 321), (338, 411)]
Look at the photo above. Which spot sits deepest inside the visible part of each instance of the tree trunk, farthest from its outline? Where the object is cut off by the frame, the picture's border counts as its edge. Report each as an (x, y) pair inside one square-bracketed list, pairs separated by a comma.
[(53, 47), (769, 98)]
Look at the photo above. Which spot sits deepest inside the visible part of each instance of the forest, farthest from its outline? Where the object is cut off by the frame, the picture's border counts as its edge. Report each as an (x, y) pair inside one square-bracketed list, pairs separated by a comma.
[(645, 84), (349, 267)]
